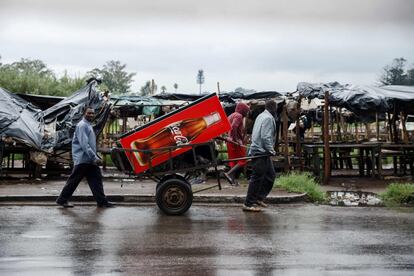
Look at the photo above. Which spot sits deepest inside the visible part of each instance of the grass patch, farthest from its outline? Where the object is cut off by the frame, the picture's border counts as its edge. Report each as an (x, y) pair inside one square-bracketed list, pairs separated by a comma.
[(399, 194), (301, 182)]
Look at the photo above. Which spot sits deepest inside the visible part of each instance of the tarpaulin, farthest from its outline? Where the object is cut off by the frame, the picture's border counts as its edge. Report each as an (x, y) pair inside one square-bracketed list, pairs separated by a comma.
[(223, 96), (20, 119), (26, 123), (139, 104), (362, 99), (68, 112)]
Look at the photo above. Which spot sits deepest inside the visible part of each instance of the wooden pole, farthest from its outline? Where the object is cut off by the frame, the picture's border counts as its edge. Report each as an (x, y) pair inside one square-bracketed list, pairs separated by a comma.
[(367, 131), (390, 126), (327, 152), (377, 125), (298, 145), (404, 128), (333, 137), (285, 138), (339, 124), (356, 133), (218, 88), (312, 130), (394, 125)]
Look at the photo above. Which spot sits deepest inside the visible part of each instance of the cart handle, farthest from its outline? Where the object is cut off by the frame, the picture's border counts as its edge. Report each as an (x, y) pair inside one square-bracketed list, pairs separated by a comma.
[(230, 141), (247, 158)]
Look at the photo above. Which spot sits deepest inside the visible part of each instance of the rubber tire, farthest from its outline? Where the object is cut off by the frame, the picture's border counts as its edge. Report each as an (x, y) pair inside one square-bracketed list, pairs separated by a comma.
[(174, 196), (171, 176)]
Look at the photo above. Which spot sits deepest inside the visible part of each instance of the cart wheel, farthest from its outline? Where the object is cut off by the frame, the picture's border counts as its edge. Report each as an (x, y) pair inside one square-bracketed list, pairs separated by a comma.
[(174, 196)]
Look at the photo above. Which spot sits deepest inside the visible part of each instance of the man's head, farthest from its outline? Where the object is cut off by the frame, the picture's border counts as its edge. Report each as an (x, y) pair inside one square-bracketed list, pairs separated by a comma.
[(89, 114), (271, 106)]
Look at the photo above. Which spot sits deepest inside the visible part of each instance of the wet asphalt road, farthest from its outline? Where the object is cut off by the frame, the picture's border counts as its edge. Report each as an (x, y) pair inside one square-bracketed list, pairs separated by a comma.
[(219, 240)]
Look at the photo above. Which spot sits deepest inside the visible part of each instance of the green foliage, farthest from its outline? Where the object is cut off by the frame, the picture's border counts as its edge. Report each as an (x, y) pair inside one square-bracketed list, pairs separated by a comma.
[(301, 182), (114, 77), (175, 87), (33, 76), (222, 151), (398, 194), (163, 89)]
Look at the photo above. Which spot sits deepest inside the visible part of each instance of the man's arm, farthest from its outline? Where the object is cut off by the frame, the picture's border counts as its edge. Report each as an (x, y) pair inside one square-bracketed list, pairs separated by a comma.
[(82, 133), (266, 133)]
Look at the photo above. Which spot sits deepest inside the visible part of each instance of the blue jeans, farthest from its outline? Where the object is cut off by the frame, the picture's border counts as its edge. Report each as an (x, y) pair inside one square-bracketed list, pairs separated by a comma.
[(93, 175), (261, 180)]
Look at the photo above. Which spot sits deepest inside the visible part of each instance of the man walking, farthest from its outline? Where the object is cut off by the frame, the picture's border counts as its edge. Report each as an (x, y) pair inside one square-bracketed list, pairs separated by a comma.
[(263, 174), (85, 161)]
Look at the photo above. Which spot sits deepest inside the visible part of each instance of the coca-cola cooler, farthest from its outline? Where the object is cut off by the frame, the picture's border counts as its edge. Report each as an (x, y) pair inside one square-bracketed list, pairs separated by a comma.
[(197, 122)]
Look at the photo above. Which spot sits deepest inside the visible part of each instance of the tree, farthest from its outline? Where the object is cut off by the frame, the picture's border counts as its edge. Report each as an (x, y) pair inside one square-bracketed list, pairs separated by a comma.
[(163, 89), (34, 77), (200, 78), (149, 88), (394, 74), (114, 77), (28, 76), (410, 76), (175, 87)]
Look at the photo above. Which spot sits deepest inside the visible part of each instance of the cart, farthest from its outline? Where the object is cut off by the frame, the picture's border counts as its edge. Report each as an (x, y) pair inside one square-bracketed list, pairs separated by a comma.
[(174, 193), (172, 149)]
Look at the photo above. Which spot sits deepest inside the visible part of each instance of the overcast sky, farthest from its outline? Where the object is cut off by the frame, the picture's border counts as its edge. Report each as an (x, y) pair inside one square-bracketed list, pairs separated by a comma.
[(257, 44)]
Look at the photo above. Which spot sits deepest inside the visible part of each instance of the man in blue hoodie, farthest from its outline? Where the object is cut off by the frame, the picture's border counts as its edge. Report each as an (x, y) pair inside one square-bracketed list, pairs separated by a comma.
[(86, 163), (263, 174)]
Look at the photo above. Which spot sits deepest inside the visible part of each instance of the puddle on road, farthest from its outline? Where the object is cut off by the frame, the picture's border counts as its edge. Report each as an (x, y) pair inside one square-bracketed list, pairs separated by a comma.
[(346, 198)]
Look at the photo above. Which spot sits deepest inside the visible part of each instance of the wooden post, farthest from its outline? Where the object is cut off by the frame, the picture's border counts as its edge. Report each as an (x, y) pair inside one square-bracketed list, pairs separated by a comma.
[(377, 125), (298, 144), (327, 153), (218, 89), (404, 128), (367, 131), (339, 124), (394, 125), (312, 130), (356, 133), (285, 138), (390, 126), (333, 137)]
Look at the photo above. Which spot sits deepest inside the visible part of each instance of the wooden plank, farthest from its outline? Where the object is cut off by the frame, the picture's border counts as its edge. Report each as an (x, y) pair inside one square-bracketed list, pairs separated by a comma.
[(327, 153)]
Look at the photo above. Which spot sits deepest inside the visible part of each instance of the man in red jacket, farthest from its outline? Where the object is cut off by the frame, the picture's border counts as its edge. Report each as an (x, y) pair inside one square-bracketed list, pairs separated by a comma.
[(236, 141)]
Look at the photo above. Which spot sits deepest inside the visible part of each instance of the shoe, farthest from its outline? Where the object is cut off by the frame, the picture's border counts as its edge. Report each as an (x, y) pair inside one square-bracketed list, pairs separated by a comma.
[(64, 204), (261, 203), (229, 179), (251, 208), (106, 205)]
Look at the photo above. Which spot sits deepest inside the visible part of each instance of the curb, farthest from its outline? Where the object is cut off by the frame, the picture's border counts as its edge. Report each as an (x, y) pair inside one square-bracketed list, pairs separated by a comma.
[(151, 198)]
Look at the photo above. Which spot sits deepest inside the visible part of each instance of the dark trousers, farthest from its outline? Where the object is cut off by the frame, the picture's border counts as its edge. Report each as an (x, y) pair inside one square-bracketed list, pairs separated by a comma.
[(261, 180), (93, 176)]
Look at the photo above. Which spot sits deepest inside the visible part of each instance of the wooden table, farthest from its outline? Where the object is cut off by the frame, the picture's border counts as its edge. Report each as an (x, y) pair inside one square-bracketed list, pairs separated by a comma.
[(403, 152), (366, 156)]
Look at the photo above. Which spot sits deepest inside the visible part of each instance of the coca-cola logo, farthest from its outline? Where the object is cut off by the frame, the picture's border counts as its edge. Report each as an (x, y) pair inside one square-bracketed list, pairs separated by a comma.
[(177, 135), (180, 140)]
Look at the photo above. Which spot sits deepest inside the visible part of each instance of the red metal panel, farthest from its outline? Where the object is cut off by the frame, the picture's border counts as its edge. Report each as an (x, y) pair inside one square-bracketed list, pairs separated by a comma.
[(196, 123)]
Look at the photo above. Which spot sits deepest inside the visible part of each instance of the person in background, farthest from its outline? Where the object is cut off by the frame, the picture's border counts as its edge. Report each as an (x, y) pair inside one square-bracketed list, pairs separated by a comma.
[(263, 173), (86, 163), (236, 142)]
